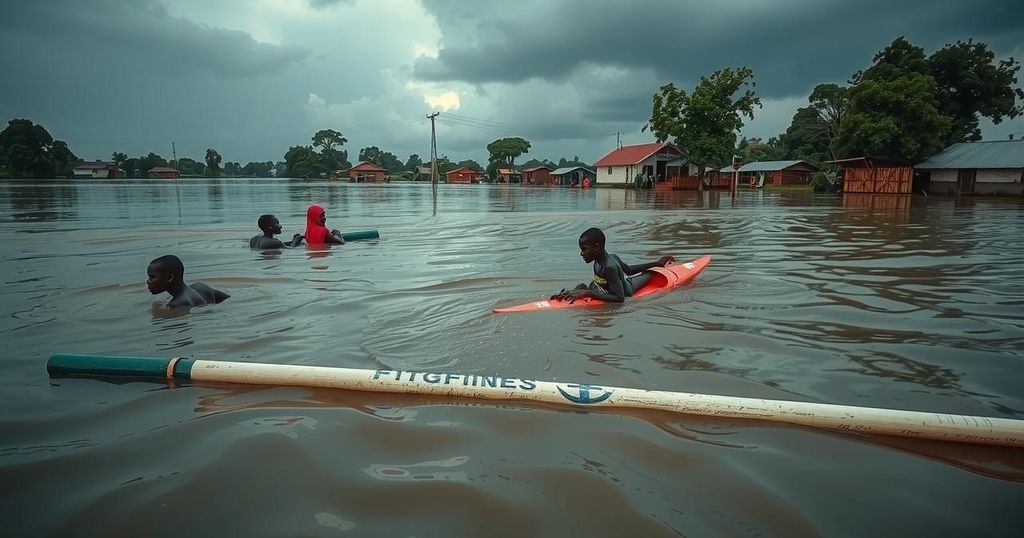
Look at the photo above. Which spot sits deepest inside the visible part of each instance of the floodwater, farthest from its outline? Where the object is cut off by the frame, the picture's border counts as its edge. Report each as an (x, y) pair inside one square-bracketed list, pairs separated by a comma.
[(884, 302)]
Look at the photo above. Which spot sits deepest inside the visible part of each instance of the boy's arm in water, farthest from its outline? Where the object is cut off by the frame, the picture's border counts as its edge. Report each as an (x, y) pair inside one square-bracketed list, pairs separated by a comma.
[(616, 292), (335, 238), (262, 241), (639, 268)]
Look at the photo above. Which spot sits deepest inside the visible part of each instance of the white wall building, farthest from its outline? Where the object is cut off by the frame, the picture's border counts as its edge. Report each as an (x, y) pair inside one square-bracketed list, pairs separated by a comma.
[(621, 166)]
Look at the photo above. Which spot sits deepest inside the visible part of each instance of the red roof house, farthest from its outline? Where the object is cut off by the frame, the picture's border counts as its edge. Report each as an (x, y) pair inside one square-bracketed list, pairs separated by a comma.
[(367, 171), (622, 165), (463, 174)]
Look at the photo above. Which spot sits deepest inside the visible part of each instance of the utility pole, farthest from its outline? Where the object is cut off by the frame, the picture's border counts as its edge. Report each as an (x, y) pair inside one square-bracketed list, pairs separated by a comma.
[(433, 150), (618, 140), (174, 157)]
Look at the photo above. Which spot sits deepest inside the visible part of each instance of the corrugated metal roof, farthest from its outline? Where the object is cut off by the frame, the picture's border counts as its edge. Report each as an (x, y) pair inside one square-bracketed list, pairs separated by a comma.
[(765, 166), (771, 166), (563, 171), (991, 154)]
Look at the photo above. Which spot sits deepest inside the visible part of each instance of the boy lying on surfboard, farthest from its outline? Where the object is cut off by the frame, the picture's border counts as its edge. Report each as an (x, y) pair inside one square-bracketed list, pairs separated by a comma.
[(613, 279)]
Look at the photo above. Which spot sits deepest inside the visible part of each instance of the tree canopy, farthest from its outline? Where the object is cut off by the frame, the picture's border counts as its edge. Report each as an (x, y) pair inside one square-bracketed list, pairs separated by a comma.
[(896, 119), (27, 150), (212, 163), (385, 159), (503, 153), (907, 105), (704, 123)]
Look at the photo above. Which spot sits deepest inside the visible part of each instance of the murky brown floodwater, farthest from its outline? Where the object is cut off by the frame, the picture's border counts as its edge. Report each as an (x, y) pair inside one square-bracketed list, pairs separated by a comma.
[(886, 302)]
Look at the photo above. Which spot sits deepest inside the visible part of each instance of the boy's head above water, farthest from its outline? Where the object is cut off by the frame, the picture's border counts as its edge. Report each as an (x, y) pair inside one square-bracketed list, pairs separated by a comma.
[(269, 224), (164, 273), (591, 244)]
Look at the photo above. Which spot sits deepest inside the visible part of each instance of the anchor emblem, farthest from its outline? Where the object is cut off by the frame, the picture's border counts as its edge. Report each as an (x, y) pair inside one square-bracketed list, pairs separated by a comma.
[(585, 394)]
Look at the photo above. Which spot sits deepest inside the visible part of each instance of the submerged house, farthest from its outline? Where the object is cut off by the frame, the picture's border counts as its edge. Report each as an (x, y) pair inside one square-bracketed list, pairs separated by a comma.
[(572, 174), (538, 175), (367, 171), (98, 170), (622, 165), (162, 172), (508, 175), (875, 176), (990, 167), (464, 174), (421, 173), (760, 173)]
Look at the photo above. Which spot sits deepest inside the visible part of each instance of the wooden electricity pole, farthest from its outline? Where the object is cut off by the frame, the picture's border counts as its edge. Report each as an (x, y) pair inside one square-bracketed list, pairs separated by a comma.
[(433, 150)]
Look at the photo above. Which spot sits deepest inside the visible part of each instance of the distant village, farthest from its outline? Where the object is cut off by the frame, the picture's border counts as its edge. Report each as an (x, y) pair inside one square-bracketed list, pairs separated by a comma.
[(984, 167)]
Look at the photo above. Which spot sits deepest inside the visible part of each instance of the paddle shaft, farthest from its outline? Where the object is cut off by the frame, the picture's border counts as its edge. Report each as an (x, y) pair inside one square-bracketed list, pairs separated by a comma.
[(938, 426)]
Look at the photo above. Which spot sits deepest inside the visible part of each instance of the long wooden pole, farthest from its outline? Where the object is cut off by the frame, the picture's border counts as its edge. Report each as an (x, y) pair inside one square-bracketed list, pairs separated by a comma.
[(866, 420)]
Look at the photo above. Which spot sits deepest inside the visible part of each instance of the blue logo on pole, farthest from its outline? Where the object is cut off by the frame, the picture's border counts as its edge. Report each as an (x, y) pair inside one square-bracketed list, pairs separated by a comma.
[(588, 394)]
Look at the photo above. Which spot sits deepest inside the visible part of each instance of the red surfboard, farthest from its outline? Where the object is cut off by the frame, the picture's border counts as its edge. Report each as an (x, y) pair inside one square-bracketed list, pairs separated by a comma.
[(665, 278)]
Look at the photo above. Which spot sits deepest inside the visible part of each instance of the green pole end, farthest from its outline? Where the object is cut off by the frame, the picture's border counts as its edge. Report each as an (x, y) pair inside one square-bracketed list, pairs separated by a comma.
[(359, 235), (66, 365)]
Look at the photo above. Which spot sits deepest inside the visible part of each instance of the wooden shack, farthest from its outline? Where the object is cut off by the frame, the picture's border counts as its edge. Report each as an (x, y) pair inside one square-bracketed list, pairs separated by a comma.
[(872, 176)]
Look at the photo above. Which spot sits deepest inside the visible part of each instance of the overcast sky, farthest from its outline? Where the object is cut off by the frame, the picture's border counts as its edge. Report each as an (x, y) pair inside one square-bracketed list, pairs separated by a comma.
[(251, 78)]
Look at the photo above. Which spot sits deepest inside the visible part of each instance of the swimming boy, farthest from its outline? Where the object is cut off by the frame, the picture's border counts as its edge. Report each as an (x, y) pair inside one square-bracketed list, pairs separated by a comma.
[(166, 274), (612, 280), (270, 226)]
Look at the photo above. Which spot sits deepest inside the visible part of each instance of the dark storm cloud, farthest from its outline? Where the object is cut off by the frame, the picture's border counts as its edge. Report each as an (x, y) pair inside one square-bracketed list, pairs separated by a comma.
[(139, 30), (791, 45)]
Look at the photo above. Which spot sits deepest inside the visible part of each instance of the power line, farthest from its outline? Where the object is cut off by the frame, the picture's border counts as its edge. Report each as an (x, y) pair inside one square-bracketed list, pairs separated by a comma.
[(532, 131)]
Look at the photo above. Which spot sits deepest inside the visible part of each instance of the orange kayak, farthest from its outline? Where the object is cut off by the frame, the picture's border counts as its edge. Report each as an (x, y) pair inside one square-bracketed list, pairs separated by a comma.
[(665, 278)]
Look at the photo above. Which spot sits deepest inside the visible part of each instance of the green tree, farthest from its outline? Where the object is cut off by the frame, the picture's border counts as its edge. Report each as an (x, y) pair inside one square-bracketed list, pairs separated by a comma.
[(145, 164), (189, 167), (971, 83), (503, 153), (445, 165), (131, 167), (814, 131), (538, 162), (303, 161), (753, 149), (258, 169), (212, 163), (897, 119), (25, 149), (119, 157), (389, 161), (897, 60), (703, 124), (968, 81), (64, 161), (232, 169), (332, 157), (328, 139), (471, 164), (412, 162)]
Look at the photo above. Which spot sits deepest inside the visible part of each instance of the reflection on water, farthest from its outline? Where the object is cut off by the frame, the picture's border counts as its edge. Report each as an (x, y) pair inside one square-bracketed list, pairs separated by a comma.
[(912, 303)]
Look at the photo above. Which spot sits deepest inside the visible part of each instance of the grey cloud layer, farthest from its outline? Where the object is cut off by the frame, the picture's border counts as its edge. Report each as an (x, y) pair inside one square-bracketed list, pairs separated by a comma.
[(790, 44), (146, 31)]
